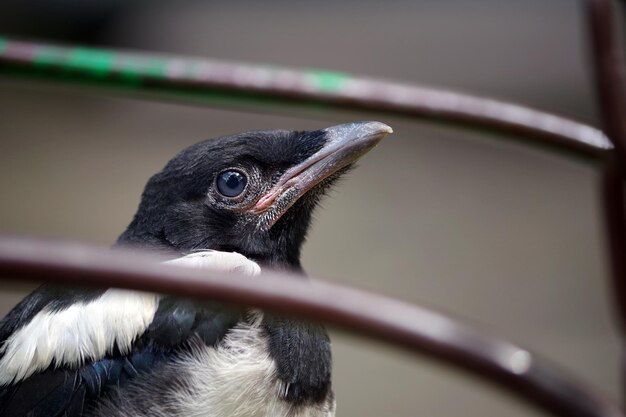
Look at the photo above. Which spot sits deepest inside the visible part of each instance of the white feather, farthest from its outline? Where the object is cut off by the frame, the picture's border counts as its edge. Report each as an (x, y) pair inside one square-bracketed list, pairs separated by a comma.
[(238, 379), (82, 331), (222, 261), (89, 330)]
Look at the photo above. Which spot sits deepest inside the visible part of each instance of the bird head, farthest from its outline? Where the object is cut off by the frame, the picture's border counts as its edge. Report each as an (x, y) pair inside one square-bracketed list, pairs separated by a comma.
[(252, 193)]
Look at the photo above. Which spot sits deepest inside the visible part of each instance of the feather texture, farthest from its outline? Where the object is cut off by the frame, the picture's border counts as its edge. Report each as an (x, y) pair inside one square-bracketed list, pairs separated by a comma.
[(80, 332), (64, 350), (237, 378)]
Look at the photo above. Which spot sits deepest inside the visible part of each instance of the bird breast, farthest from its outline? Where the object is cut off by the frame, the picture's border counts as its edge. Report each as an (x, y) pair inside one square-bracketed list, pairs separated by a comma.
[(236, 378), (241, 367)]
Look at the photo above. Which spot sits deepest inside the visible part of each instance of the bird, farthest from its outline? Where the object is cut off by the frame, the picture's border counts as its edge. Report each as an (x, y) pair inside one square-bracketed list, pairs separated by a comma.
[(240, 203)]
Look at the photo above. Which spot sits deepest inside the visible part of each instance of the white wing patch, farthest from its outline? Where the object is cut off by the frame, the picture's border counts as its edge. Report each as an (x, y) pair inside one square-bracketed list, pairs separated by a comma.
[(222, 261), (80, 332), (90, 330)]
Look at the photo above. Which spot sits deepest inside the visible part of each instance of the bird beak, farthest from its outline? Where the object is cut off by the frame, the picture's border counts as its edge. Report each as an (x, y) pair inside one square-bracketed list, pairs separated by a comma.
[(344, 145)]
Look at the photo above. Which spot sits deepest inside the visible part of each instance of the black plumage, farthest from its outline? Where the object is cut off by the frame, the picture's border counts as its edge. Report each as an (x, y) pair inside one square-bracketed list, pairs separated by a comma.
[(251, 193)]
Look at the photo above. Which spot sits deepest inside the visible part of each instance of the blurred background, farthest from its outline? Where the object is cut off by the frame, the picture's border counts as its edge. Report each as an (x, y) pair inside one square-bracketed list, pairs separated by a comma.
[(500, 234)]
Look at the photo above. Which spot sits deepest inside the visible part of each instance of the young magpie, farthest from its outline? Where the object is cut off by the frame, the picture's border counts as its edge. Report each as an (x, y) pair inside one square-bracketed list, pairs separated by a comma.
[(232, 203)]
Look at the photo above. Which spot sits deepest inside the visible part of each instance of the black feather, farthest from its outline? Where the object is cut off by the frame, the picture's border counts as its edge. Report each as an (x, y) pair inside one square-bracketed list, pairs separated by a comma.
[(303, 358)]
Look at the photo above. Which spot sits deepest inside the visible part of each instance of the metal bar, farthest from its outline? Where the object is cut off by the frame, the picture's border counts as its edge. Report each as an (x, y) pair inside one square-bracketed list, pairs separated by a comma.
[(608, 65), (509, 367), (615, 223), (229, 84)]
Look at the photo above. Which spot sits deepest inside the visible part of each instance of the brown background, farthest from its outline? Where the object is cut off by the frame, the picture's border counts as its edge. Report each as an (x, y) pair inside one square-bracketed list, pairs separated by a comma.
[(506, 236)]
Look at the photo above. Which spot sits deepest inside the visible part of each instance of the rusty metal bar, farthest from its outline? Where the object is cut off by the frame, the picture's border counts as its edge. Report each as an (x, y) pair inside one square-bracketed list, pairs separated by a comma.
[(229, 84), (511, 368), (608, 66)]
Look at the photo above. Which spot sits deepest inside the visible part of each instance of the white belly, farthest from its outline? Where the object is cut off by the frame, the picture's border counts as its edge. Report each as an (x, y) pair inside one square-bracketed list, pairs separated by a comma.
[(238, 379)]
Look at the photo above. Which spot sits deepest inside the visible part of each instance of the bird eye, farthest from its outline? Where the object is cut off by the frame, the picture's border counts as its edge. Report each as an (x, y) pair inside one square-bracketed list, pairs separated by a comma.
[(231, 183)]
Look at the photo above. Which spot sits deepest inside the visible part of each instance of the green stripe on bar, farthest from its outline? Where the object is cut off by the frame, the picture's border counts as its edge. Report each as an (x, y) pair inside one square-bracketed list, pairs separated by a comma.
[(134, 68), (268, 87), (328, 80), (47, 55), (95, 61), (100, 63)]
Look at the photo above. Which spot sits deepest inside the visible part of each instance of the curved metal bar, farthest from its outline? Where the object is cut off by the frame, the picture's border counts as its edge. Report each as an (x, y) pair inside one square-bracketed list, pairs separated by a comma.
[(608, 66), (223, 83), (615, 222), (511, 368)]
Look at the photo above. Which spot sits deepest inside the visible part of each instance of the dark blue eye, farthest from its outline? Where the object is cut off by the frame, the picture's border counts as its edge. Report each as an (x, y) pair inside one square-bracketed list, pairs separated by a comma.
[(231, 183)]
